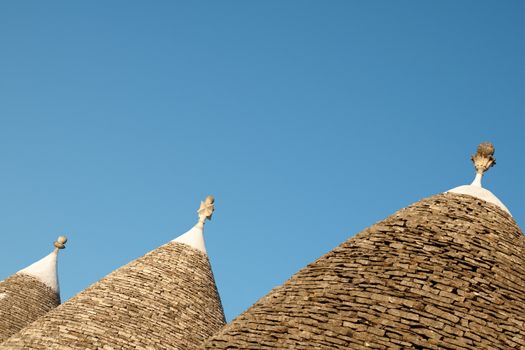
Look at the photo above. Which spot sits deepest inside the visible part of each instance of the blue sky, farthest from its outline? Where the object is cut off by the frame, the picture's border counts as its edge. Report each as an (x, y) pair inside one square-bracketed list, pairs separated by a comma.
[(308, 121)]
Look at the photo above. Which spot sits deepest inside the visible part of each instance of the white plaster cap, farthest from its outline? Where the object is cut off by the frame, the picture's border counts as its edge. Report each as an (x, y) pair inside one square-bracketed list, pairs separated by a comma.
[(475, 190), (194, 238), (44, 270)]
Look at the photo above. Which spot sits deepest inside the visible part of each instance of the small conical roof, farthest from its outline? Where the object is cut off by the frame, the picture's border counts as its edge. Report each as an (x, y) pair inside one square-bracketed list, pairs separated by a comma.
[(29, 294), (447, 272), (166, 299)]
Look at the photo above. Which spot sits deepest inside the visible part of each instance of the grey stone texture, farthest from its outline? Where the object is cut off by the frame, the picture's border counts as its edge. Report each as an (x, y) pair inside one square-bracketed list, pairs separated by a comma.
[(23, 299), (166, 299), (447, 272)]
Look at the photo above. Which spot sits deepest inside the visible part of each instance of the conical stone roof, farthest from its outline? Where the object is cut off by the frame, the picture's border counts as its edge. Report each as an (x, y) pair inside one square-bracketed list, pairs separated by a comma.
[(447, 272), (29, 294), (166, 299)]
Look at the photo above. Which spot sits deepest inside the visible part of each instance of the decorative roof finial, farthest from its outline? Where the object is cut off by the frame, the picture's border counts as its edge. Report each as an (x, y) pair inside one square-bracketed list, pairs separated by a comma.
[(206, 210), (60, 243), (483, 160)]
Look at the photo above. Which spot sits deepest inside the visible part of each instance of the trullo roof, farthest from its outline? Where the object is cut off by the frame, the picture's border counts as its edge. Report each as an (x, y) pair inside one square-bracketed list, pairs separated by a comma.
[(447, 272), (29, 294), (166, 299)]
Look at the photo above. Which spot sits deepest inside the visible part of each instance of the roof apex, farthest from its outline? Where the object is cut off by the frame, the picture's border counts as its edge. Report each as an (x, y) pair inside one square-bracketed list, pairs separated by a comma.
[(483, 160), (45, 269), (194, 238)]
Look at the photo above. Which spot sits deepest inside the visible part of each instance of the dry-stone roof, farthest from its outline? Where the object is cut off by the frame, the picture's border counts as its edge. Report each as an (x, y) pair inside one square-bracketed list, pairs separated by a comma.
[(23, 299), (166, 299), (30, 293), (447, 272)]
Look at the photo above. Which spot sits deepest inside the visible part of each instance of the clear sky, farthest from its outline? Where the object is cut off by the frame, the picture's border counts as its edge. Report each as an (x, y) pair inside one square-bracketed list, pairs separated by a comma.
[(308, 120)]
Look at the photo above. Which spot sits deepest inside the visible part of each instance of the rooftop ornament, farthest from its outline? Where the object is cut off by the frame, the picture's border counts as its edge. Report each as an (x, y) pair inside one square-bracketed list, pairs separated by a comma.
[(483, 160), (206, 210), (60, 243)]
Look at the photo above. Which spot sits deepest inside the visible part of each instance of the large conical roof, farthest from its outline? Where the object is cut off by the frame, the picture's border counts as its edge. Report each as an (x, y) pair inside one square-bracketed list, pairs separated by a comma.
[(447, 272), (166, 299), (29, 294)]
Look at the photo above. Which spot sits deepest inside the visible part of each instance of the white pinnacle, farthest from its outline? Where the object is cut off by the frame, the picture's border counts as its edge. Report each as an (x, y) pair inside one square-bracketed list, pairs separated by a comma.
[(195, 237), (483, 160), (45, 269)]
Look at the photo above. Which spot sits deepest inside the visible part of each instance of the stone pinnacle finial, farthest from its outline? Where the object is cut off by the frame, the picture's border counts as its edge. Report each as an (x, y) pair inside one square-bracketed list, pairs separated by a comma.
[(206, 210), (60, 243), (483, 159)]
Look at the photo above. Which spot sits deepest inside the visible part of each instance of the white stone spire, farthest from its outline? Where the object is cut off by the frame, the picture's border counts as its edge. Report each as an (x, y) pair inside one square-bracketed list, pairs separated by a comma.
[(45, 269), (483, 160), (195, 237)]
